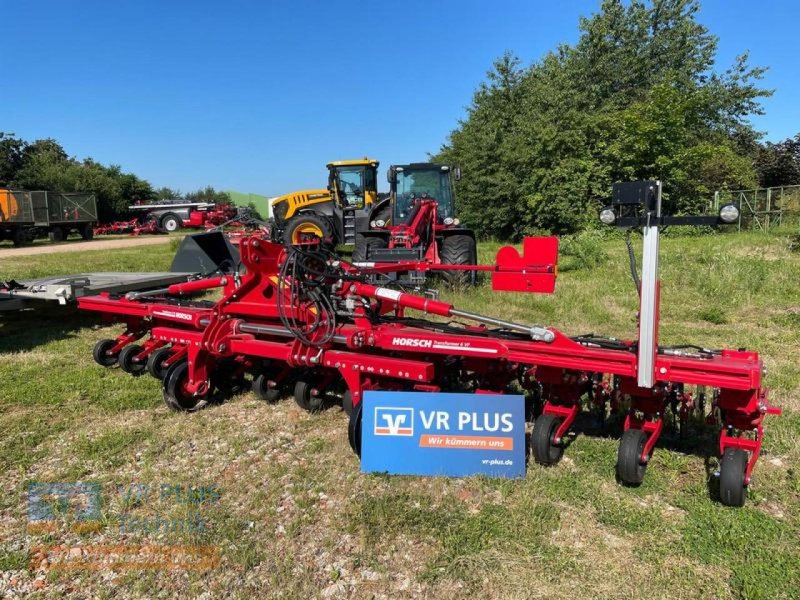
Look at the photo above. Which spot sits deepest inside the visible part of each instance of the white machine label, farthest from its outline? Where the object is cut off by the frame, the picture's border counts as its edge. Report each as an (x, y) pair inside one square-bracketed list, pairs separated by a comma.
[(412, 342), (389, 294), (171, 314)]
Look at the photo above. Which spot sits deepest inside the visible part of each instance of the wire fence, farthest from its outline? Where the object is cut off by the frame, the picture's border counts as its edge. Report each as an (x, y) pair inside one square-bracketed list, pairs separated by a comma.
[(763, 208)]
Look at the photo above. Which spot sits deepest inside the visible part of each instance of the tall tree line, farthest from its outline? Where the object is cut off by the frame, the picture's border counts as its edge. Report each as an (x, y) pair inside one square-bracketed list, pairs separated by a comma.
[(45, 165), (637, 97)]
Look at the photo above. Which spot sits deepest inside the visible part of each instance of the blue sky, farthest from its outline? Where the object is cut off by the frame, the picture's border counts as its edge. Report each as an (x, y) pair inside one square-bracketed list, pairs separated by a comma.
[(258, 96)]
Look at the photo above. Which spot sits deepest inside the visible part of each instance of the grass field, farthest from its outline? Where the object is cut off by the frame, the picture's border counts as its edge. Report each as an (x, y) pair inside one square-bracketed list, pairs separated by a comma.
[(291, 516)]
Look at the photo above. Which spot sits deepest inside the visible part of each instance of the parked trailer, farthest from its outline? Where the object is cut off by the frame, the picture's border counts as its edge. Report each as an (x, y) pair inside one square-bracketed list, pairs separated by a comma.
[(16, 216), (25, 215), (58, 214), (171, 215)]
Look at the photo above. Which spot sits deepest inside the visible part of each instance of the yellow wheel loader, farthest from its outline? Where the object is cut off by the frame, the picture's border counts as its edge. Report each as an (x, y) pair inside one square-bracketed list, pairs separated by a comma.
[(334, 214)]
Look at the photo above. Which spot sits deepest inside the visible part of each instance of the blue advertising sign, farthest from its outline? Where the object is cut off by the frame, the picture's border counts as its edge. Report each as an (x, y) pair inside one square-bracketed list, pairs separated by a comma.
[(420, 433)]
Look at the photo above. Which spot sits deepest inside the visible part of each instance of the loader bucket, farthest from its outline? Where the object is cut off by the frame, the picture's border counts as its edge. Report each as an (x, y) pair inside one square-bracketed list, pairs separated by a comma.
[(206, 253)]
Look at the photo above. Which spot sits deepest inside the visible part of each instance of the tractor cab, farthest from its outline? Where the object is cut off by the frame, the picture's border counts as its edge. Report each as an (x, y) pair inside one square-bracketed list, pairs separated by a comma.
[(353, 183), (417, 223), (410, 184), (333, 214)]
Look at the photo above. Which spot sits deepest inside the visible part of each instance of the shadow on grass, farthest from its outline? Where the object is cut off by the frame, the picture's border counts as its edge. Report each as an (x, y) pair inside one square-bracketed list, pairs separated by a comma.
[(24, 330)]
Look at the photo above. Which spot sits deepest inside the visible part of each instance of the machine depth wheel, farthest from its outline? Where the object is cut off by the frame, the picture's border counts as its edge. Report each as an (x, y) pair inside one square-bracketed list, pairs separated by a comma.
[(155, 362), (305, 398), (630, 468), (545, 451), (171, 222), (732, 469), (175, 395), (354, 429), (101, 355), (127, 360), (458, 249), (306, 227), (364, 245), (347, 403), (262, 390)]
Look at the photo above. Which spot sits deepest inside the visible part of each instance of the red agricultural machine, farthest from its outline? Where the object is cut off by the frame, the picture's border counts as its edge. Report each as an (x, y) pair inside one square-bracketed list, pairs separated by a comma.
[(301, 318), (171, 215), (417, 222), (131, 227)]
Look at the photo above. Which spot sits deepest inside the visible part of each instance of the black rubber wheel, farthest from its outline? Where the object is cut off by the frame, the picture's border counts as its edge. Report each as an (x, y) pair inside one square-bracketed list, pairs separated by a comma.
[(56, 234), (458, 249), (101, 355), (171, 222), (732, 468), (545, 452), (155, 362), (630, 469), (19, 237), (304, 398), (87, 231), (305, 227), (227, 379), (127, 360), (174, 395), (354, 429), (364, 246), (347, 403), (262, 390)]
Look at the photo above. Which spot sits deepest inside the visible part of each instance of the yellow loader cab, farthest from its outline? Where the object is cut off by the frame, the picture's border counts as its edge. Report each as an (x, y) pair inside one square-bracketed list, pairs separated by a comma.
[(333, 214)]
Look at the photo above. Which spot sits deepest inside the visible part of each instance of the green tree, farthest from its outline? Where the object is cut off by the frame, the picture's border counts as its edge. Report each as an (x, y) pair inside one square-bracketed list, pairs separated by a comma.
[(779, 164), (636, 97)]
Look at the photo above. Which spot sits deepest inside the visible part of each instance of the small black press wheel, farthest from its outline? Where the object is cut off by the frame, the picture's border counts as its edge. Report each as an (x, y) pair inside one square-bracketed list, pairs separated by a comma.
[(630, 468), (155, 362), (101, 353), (175, 395), (545, 450), (305, 398), (263, 391), (732, 490), (347, 403), (354, 429), (129, 363)]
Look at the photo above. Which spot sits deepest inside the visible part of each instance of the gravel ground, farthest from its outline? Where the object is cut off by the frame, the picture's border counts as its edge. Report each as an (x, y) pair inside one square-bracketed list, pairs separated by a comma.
[(83, 246)]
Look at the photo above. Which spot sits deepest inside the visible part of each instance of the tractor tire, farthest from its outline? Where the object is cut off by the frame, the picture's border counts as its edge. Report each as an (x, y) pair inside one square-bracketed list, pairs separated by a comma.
[(458, 249), (732, 469), (19, 237), (56, 234), (127, 360), (170, 222), (384, 214), (364, 244), (306, 227), (630, 469), (174, 395), (87, 231)]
